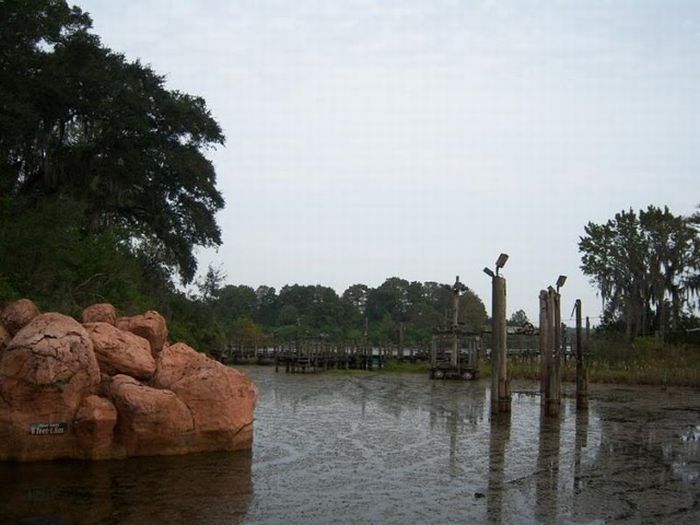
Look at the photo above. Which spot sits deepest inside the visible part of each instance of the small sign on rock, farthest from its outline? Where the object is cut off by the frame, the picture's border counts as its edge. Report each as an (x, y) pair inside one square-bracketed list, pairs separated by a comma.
[(44, 429)]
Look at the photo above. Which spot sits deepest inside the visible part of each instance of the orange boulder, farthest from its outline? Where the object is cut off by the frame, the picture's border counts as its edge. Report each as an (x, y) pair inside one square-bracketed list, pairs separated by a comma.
[(221, 399), (94, 428), (17, 315), (121, 352), (100, 313), (151, 421), (45, 372), (150, 326)]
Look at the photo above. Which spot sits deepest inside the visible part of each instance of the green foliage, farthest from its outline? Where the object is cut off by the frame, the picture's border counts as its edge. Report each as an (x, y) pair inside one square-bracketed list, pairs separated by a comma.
[(646, 267), (46, 255), (81, 122), (518, 318)]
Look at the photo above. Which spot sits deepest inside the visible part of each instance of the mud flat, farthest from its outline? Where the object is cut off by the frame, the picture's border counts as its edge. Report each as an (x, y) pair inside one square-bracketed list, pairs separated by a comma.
[(393, 448)]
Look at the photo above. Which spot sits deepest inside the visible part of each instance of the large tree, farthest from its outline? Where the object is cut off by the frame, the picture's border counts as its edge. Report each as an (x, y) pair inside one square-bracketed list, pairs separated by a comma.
[(644, 266), (79, 121)]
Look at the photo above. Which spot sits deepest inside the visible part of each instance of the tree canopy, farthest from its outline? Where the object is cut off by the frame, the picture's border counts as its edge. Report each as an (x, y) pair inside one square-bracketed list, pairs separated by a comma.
[(83, 126), (645, 266)]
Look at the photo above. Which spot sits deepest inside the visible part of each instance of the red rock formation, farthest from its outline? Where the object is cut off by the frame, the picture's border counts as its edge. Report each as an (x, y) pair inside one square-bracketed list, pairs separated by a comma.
[(100, 313), (94, 428), (17, 315), (151, 421), (221, 399), (45, 372), (150, 326), (55, 402), (120, 352)]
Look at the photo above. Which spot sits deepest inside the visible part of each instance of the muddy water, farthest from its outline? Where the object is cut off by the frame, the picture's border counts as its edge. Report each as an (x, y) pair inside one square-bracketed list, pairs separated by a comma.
[(385, 448)]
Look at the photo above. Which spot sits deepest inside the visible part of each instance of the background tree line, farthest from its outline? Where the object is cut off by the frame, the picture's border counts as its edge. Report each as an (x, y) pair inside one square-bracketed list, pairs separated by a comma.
[(397, 310)]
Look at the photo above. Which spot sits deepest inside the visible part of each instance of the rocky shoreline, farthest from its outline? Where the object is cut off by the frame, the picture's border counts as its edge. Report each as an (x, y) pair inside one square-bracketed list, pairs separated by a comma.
[(112, 387)]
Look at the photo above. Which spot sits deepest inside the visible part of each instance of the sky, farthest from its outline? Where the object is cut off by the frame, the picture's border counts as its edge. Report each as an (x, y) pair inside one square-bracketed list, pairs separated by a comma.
[(367, 139)]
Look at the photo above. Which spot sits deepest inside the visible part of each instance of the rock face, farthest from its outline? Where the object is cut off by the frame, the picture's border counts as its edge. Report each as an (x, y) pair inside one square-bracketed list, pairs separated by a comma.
[(150, 326), (120, 352), (100, 313), (94, 427), (96, 392), (45, 372), (151, 421), (17, 315), (220, 398)]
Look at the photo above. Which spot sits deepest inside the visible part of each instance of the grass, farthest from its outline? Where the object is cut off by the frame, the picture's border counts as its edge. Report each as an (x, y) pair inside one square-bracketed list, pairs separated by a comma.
[(610, 361), (641, 363)]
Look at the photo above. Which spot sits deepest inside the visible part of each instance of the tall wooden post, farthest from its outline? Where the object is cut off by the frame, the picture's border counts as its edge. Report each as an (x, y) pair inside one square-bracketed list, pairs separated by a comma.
[(500, 387), (581, 379), (454, 358), (551, 357), (545, 351), (549, 330), (558, 351)]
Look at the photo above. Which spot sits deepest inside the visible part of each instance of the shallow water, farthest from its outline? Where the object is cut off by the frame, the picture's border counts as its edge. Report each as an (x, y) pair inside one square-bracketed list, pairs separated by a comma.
[(391, 448)]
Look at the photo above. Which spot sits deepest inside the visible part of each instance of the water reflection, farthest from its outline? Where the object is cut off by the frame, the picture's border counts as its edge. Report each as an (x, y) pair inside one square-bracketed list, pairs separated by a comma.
[(547, 469), (581, 442), (498, 439), (199, 488)]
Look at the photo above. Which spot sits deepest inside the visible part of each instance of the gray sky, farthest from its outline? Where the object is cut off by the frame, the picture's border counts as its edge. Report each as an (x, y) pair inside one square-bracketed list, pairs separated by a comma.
[(369, 139)]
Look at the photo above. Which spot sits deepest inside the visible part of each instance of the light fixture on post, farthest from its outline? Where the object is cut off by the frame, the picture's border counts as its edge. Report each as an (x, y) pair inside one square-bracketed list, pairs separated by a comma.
[(488, 272), (560, 282), (501, 261)]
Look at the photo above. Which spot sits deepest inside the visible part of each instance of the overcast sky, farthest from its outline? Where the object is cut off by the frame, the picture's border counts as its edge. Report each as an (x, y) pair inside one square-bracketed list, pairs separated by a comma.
[(419, 139)]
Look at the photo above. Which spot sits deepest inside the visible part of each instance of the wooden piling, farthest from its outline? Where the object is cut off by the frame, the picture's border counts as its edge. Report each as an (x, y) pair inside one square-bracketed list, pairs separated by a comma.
[(558, 351), (545, 351), (551, 381), (581, 376), (500, 386), (454, 358)]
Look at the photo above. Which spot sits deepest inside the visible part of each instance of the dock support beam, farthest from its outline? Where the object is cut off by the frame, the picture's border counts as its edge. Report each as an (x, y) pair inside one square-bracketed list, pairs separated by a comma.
[(550, 345), (581, 375), (500, 385)]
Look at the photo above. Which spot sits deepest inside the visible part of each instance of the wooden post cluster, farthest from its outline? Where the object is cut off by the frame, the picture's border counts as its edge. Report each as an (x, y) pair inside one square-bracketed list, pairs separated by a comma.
[(500, 385), (550, 350)]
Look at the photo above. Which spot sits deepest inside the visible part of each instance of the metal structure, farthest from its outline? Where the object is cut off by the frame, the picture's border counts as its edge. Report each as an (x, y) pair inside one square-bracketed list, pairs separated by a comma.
[(454, 352)]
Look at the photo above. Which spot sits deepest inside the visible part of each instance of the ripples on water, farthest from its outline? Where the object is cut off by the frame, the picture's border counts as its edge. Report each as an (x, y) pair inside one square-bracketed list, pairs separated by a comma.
[(388, 448)]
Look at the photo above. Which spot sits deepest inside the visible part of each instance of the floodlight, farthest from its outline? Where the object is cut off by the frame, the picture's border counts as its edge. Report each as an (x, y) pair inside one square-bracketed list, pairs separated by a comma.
[(489, 272), (561, 281), (501, 261)]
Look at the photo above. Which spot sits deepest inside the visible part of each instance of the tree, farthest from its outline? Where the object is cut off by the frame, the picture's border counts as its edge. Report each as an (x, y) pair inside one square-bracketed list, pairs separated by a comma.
[(80, 121), (266, 310), (473, 311), (641, 265), (235, 302), (356, 296), (518, 318), (390, 297), (210, 286)]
